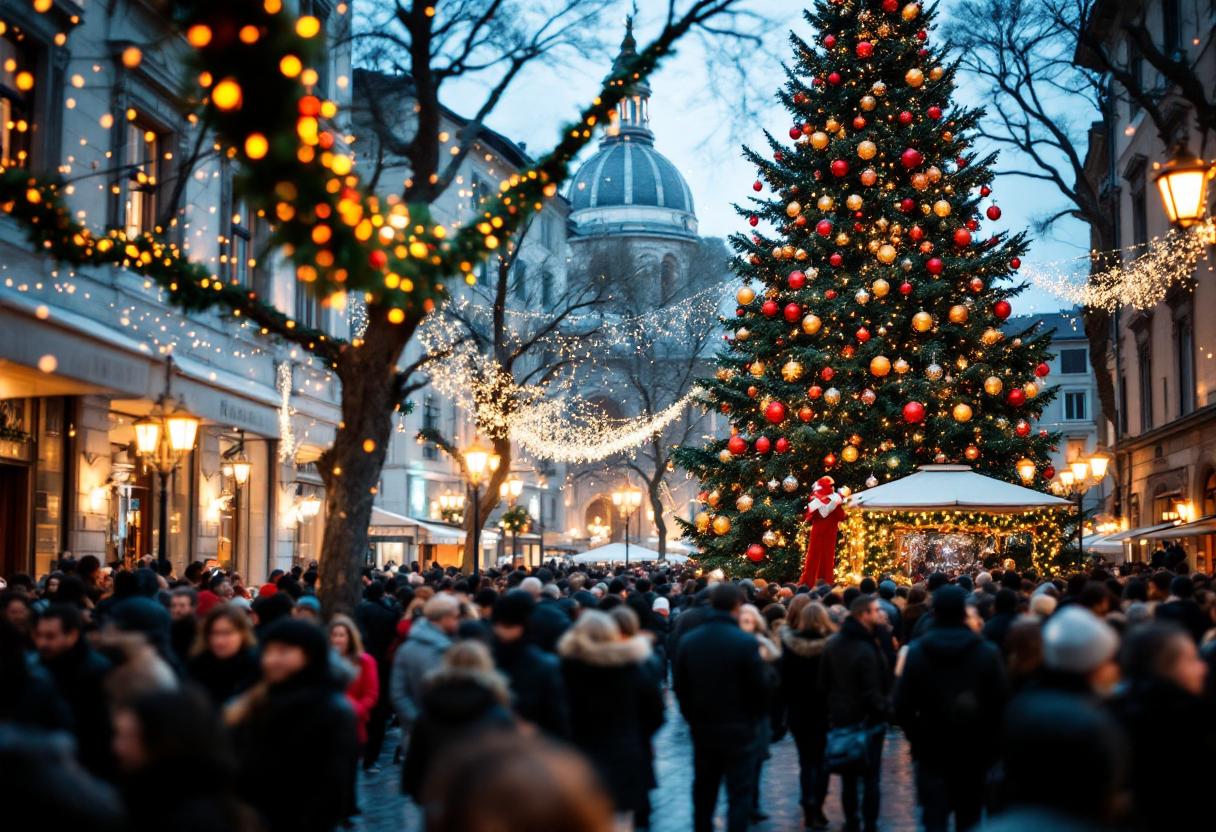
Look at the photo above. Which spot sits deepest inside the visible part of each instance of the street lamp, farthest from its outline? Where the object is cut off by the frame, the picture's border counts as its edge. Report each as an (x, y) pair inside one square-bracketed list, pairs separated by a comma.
[(477, 461), (510, 490), (163, 437), (1026, 470), (1075, 480), (627, 501), (1183, 183)]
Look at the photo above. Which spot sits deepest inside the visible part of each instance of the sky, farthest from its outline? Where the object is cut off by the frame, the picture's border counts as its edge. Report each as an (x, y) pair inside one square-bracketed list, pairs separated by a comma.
[(699, 131)]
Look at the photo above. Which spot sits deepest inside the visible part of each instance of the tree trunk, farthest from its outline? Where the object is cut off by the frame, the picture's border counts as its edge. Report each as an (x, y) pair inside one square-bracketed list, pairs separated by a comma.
[(660, 527), (1097, 330), (351, 467), (490, 498)]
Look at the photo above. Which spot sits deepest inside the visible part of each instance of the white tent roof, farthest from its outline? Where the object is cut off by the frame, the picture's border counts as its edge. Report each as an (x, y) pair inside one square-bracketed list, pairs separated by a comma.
[(615, 553), (1102, 544), (950, 487)]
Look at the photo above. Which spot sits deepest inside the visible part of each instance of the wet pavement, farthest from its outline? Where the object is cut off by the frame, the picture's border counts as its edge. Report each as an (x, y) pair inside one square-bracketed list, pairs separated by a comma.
[(385, 810)]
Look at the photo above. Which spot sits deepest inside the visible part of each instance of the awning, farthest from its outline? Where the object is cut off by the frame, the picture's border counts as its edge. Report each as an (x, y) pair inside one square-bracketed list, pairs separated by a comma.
[(1141, 533), (615, 553), (950, 488), (387, 524), (1101, 544), (1195, 528)]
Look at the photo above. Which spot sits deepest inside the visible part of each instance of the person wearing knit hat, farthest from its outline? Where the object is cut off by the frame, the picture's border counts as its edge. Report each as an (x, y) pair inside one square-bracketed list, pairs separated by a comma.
[(662, 606), (1079, 652)]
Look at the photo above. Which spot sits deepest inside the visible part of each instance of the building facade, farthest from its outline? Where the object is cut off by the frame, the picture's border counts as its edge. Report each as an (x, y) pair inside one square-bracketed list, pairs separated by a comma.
[(1161, 358), (84, 352)]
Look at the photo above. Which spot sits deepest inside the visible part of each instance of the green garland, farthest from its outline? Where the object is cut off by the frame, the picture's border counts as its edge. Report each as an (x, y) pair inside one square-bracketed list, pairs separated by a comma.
[(516, 520)]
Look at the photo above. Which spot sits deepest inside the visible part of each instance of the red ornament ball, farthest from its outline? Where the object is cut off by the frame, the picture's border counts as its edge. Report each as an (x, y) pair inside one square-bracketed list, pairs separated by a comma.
[(769, 308), (779, 156), (934, 265), (826, 373), (908, 205), (1015, 264), (985, 190), (993, 212), (1049, 472), (1042, 370), (890, 5), (863, 334), (757, 185), (377, 259), (763, 445), (836, 259), (753, 221), (847, 350), (824, 228), (805, 414), (962, 237), (830, 294), (829, 41), (1002, 309), (801, 221), (737, 445), (916, 232), (775, 412), (935, 112), (1043, 433), (922, 36), (840, 168), (793, 312), (914, 412), (1017, 398), (972, 225), (755, 553), (795, 131), (865, 49), (905, 288), (911, 157), (960, 162), (813, 392), (781, 445), (1022, 428), (829, 460), (976, 284), (905, 118), (834, 78), (859, 122), (797, 280)]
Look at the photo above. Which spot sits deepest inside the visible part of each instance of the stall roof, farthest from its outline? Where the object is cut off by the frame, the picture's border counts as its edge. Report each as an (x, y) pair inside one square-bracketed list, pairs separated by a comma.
[(1141, 533), (388, 524), (1195, 528), (615, 553), (953, 487)]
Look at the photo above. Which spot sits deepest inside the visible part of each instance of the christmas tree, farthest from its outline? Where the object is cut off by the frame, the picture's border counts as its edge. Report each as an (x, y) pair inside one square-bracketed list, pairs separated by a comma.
[(868, 337)]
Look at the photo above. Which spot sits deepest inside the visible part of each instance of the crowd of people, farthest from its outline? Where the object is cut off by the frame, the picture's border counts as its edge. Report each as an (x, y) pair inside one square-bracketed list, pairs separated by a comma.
[(131, 700)]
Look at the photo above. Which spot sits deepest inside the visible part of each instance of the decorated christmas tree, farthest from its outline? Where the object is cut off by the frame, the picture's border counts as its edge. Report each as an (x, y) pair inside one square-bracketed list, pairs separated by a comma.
[(869, 337)]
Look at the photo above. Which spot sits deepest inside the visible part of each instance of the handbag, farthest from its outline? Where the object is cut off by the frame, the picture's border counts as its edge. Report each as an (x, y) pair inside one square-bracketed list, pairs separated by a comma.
[(852, 749)]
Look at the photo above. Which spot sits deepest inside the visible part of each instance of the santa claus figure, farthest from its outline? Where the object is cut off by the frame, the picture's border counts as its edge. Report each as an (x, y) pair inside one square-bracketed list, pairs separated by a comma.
[(825, 514)]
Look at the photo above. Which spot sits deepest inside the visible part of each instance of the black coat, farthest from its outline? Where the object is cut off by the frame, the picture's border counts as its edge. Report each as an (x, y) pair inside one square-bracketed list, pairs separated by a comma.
[(1187, 614), (377, 622), (997, 628), (296, 746), (547, 624), (1173, 757), (806, 706), (616, 706), (537, 692), (687, 621), (223, 679), (953, 690), (182, 635), (29, 696), (457, 705), (855, 677), (80, 675), (722, 683)]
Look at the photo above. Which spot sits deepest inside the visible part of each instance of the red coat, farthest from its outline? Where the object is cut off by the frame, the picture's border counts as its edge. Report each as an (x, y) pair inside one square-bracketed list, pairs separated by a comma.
[(821, 545), (363, 693)]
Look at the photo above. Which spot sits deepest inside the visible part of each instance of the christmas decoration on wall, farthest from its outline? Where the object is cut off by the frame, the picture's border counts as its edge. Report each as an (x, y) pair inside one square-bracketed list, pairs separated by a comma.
[(882, 157)]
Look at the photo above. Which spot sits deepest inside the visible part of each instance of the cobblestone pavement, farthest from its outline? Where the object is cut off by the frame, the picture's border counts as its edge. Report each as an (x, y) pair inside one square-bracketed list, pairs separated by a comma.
[(385, 810)]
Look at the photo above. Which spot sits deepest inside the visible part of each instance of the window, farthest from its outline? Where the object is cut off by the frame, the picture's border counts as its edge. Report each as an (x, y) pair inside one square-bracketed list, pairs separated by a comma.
[(1184, 343), (1171, 28), (16, 85), (1139, 218), (308, 311), (1209, 495), (1074, 406), (143, 184), (430, 421), (549, 231), (548, 286), (1145, 367), (1122, 404), (1072, 362), (669, 277), (240, 247)]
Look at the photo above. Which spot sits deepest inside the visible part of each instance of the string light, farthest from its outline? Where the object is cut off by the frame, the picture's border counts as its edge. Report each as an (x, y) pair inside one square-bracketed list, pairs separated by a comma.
[(287, 436)]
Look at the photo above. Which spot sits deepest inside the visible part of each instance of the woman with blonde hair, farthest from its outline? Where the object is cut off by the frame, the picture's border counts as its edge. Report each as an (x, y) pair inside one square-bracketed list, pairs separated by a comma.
[(363, 692), (751, 620), (807, 712), (222, 660)]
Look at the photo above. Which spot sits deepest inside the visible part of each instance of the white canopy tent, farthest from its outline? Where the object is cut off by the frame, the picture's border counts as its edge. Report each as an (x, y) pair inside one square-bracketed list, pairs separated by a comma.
[(615, 553), (1101, 544), (951, 488)]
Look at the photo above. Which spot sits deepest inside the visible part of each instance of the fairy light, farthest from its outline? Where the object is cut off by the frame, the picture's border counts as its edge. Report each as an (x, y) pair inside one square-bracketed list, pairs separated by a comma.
[(287, 436)]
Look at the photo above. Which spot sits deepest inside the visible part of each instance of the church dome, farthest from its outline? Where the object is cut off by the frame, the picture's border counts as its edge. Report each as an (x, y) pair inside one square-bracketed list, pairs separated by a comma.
[(628, 188)]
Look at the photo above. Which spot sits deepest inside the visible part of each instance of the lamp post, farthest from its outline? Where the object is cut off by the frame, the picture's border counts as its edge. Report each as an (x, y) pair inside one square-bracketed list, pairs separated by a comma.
[(163, 437), (627, 501), (510, 490), (1075, 480), (478, 459), (1183, 183)]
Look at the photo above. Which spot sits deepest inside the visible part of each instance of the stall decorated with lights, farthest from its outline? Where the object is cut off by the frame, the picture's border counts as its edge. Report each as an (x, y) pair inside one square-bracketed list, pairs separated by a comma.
[(949, 517)]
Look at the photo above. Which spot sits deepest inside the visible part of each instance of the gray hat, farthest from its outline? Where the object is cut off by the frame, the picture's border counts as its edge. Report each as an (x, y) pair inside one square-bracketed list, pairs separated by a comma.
[(1077, 641), (886, 589)]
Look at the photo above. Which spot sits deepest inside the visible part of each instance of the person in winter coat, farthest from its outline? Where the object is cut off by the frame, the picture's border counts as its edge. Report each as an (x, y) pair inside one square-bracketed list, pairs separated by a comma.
[(223, 661), (429, 638), (723, 687), (1161, 707), (751, 621), (996, 629), (363, 692), (605, 673), (806, 705), (953, 689), (857, 681), (79, 673), (293, 728), (462, 700), (176, 766), (537, 692), (377, 618)]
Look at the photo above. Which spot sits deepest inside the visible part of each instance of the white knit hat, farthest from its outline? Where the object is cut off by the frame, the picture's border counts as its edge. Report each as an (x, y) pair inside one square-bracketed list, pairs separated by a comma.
[(661, 604), (1077, 641)]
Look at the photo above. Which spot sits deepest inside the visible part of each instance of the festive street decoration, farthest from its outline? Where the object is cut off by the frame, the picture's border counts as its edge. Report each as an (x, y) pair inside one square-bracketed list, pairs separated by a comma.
[(883, 156), (825, 513)]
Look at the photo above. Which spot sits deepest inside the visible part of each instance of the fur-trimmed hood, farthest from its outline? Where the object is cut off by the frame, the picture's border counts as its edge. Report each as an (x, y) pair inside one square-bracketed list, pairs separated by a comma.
[(575, 646), (803, 644)]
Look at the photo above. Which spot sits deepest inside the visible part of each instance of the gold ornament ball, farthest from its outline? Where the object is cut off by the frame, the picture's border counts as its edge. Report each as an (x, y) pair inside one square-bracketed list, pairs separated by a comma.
[(819, 140), (886, 253), (745, 295), (867, 150), (1001, 423), (800, 254), (853, 202), (880, 365), (849, 454), (769, 538), (757, 368), (787, 252), (826, 203), (935, 174), (725, 456), (900, 366), (862, 297), (790, 484), (725, 374), (743, 333), (922, 321), (893, 462), (993, 386), (910, 11), (713, 498), (920, 181), (880, 288), (879, 89), (972, 453), (744, 503), (832, 125), (941, 208), (842, 239), (958, 314), (918, 437), (831, 395), (702, 521), (868, 177), (868, 397), (793, 209), (933, 372), (914, 77), (1030, 389), (791, 371), (936, 73), (991, 336), (868, 102), (721, 524), (962, 412), (811, 324)]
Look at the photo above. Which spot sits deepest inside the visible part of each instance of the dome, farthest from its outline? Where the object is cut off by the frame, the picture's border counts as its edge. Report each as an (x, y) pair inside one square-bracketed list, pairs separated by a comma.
[(630, 173)]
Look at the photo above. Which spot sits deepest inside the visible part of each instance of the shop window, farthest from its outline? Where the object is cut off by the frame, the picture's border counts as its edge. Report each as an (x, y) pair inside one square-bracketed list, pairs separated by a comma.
[(144, 147), (17, 82), (430, 421)]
